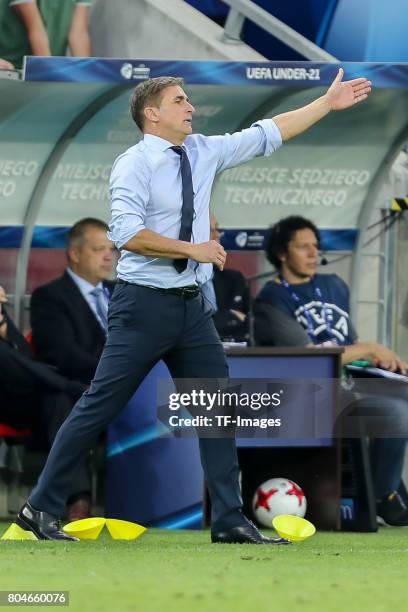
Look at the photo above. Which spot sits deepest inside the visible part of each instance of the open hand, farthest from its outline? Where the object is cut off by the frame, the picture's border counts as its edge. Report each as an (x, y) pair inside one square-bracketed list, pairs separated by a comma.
[(384, 358), (343, 94)]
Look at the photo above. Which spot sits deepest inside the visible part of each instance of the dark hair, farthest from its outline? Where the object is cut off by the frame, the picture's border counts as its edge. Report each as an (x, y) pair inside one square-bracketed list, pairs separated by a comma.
[(148, 93), (76, 234), (280, 234)]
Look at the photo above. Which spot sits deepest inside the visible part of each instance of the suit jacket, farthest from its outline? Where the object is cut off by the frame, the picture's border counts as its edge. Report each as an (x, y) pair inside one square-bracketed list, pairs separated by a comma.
[(232, 293), (66, 333), (273, 327), (23, 380)]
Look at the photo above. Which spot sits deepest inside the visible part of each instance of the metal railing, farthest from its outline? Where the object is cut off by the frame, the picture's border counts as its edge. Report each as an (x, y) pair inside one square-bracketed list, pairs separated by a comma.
[(246, 9)]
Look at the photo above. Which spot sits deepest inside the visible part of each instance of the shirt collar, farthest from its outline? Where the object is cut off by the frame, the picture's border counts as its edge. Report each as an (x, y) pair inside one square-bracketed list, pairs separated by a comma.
[(83, 285), (157, 143)]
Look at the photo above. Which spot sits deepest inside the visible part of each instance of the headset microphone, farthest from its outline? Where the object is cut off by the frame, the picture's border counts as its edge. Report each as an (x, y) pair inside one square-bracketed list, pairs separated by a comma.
[(324, 261)]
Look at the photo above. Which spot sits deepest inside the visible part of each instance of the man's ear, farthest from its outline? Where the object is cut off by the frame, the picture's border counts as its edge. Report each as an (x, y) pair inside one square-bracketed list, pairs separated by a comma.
[(73, 255), (151, 113)]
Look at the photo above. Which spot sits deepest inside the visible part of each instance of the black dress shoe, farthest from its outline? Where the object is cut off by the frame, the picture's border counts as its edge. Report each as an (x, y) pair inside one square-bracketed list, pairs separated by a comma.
[(245, 534), (43, 525)]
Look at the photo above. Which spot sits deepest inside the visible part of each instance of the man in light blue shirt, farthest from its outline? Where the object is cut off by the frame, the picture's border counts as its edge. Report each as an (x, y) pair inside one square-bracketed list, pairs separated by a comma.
[(160, 193), (146, 194)]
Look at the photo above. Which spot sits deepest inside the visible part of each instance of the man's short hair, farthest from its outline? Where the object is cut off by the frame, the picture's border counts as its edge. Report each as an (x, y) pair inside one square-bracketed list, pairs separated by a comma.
[(76, 235), (148, 93), (280, 234)]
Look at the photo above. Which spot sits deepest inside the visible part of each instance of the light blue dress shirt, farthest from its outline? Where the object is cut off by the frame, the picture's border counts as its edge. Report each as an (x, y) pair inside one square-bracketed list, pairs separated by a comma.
[(86, 291), (208, 291), (146, 193)]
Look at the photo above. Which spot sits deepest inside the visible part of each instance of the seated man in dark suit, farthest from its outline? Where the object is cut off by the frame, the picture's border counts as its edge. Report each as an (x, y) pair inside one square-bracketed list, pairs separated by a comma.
[(302, 308), (24, 382), (228, 295), (68, 321)]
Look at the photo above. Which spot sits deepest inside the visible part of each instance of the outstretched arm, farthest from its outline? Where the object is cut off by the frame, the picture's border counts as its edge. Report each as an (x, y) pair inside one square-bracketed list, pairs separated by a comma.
[(340, 95)]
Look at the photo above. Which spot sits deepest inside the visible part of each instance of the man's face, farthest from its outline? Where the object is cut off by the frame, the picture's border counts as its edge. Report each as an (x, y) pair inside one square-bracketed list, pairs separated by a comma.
[(173, 117), (214, 231), (302, 254), (93, 260)]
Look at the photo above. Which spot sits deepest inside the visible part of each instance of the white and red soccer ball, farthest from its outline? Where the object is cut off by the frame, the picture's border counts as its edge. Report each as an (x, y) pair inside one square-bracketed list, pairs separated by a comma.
[(278, 496)]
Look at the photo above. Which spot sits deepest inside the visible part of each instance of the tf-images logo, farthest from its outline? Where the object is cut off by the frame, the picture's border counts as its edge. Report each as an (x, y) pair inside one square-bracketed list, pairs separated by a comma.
[(139, 73)]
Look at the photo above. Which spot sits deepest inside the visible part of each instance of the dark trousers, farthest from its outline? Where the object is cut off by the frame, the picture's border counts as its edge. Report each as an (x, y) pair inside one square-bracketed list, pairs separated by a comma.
[(146, 325), (55, 408), (387, 463), (382, 406), (389, 415)]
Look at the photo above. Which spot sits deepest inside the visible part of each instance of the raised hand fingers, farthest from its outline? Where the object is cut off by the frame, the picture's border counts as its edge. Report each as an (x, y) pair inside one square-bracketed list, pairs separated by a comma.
[(360, 98), (361, 91), (366, 86), (355, 82)]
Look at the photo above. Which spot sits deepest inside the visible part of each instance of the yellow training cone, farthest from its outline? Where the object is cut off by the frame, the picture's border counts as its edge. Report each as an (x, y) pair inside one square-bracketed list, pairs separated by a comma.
[(293, 528), (14, 532), (124, 530), (86, 529)]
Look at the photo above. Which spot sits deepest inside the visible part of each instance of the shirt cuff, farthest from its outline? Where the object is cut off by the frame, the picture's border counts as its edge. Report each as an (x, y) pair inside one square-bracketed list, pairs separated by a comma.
[(121, 231), (272, 135)]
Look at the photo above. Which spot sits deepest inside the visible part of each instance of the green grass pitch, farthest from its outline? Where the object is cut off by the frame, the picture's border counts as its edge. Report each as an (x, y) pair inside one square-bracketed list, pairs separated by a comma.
[(181, 571)]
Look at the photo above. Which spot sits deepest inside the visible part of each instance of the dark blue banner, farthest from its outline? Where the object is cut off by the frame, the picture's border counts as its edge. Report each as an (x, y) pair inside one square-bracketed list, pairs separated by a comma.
[(49, 237), (132, 71), (44, 237)]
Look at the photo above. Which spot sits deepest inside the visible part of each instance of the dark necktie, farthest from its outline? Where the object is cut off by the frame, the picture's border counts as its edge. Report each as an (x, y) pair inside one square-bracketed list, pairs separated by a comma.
[(187, 210)]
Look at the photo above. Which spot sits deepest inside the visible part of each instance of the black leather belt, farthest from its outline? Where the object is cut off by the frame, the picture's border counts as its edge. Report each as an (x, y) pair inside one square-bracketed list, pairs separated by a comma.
[(187, 293)]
